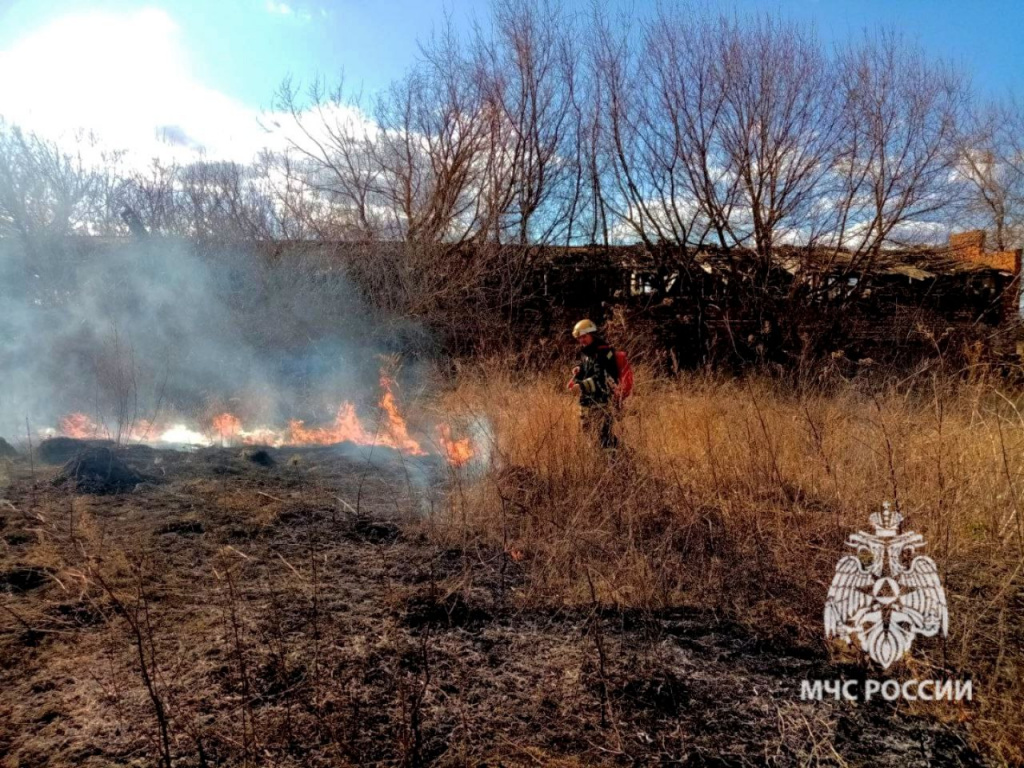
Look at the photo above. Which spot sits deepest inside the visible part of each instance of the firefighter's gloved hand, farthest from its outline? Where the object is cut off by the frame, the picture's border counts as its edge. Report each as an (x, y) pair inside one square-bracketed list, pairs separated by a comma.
[(573, 386)]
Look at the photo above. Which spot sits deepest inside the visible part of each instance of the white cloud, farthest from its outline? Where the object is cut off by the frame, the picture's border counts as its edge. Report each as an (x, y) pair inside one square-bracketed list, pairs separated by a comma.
[(287, 11), (280, 8), (127, 78)]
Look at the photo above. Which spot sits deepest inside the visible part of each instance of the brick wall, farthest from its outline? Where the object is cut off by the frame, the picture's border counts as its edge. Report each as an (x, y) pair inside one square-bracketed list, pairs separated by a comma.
[(970, 246)]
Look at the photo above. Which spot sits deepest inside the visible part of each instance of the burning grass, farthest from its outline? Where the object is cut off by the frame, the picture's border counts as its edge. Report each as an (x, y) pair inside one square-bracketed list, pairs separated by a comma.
[(389, 429), (737, 497)]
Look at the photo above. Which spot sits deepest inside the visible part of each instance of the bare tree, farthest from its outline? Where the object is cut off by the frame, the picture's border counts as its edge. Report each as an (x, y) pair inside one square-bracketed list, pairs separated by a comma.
[(202, 199), (529, 66), (991, 163), (45, 189), (718, 132), (327, 172), (151, 193), (779, 134), (896, 166), (429, 149)]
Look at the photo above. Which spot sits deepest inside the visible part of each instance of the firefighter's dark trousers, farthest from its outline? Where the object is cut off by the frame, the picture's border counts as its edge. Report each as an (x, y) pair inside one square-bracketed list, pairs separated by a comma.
[(599, 424)]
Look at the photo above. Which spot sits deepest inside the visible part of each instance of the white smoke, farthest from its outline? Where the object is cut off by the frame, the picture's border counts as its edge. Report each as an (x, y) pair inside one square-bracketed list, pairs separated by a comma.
[(161, 329)]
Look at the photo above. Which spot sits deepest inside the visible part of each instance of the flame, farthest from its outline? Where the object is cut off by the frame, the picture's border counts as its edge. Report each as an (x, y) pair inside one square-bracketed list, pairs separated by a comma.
[(346, 428), (261, 436), (80, 426), (456, 452), (228, 429), (398, 431), (180, 434), (143, 430), (227, 426)]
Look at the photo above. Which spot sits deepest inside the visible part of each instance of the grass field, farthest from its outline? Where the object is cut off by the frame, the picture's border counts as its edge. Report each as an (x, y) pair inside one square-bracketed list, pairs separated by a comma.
[(546, 604), (737, 497)]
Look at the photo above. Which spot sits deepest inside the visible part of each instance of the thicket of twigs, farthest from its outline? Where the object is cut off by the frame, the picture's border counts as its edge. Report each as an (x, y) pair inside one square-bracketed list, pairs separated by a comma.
[(738, 496)]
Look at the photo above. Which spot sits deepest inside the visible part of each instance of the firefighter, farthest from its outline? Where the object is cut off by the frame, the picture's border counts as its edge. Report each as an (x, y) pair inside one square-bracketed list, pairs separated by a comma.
[(594, 380)]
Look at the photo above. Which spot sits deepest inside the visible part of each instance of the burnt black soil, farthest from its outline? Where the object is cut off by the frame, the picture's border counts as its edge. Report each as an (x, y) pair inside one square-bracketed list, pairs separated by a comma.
[(300, 614), (261, 456), (98, 469), (58, 450)]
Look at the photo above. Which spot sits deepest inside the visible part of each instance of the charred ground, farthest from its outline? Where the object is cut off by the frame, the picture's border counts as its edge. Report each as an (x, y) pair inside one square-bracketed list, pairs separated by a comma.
[(299, 611)]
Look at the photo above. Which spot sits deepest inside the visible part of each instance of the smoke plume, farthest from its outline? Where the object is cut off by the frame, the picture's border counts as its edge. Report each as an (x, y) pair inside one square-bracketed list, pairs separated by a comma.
[(161, 329)]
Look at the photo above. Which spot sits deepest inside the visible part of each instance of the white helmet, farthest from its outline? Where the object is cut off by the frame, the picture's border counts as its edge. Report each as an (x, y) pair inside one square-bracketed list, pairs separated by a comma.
[(583, 327)]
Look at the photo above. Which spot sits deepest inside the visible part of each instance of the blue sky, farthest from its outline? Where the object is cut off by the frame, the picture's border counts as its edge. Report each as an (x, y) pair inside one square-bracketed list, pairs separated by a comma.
[(207, 64)]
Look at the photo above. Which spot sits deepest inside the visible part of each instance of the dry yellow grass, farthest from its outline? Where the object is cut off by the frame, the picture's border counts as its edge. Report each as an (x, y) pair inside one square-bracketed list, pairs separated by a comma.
[(739, 496)]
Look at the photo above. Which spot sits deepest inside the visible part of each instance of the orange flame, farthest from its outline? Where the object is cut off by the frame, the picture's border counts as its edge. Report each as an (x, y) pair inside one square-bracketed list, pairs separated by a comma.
[(457, 452), (143, 429), (397, 429), (227, 426), (393, 431), (80, 426), (346, 428)]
